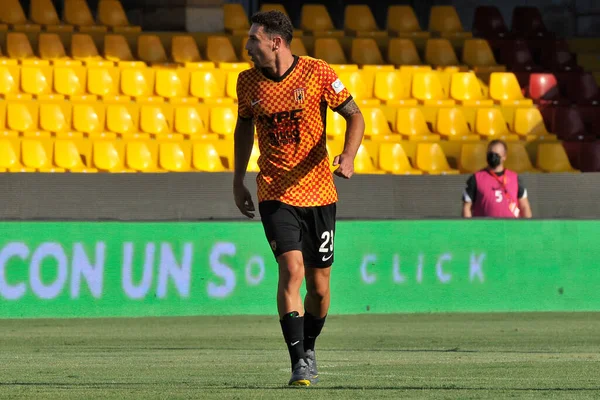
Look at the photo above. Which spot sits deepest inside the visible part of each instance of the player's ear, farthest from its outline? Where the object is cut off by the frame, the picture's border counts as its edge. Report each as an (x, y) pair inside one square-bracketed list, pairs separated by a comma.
[(277, 42)]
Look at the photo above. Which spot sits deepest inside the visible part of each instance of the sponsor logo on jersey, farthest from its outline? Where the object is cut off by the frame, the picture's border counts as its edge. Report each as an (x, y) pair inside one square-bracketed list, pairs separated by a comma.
[(337, 86), (299, 95)]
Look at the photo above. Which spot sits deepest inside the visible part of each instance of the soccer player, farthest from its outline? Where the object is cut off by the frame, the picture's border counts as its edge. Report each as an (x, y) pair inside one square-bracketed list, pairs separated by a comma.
[(495, 191), (286, 97)]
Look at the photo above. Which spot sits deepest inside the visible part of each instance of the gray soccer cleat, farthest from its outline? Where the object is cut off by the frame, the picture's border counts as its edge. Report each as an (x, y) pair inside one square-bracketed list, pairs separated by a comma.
[(300, 374), (312, 366)]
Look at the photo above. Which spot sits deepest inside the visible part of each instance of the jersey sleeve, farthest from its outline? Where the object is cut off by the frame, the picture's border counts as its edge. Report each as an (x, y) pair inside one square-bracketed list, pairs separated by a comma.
[(470, 190), (522, 191), (335, 94), (244, 109)]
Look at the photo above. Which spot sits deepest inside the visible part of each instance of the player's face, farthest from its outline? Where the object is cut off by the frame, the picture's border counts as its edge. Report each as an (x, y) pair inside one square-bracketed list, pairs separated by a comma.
[(260, 47), (499, 149)]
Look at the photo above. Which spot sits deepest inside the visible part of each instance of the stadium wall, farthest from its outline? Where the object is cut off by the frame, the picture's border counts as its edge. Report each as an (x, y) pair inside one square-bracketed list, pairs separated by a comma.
[(118, 269)]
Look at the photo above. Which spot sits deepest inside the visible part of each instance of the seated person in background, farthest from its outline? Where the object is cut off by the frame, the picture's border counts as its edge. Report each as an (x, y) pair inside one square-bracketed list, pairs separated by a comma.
[(495, 191)]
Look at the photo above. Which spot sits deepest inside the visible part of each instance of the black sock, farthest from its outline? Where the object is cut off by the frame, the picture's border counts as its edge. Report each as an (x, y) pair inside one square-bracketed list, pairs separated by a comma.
[(292, 325), (312, 329)]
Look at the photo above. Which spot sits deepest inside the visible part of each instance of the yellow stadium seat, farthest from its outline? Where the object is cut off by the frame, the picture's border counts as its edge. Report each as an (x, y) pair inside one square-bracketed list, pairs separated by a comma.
[(297, 47), (393, 159), (68, 156), (108, 155), (403, 52), (84, 49), (105, 82), (174, 156), (427, 89), (452, 125), (359, 21), (254, 157), (71, 82), (4, 60), (505, 90), (219, 49), (330, 50), (440, 53), (77, 13), (9, 154), (473, 157), (157, 120), (55, 117), (363, 163), (336, 124), (392, 90), (376, 125), (244, 53), (3, 129), (431, 159), (89, 118), (231, 84), (445, 20), (365, 51), (529, 123), (402, 21), (19, 48), (315, 19), (184, 51), (223, 120), (116, 49), (206, 158), (22, 116), (191, 122), (12, 13), (111, 14), (552, 157), (234, 66), (518, 160), (123, 119), (150, 50), (42, 12), (360, 89), (51, 49), (139, 84), (478, 55), (174, 84), (490, 124), (209, 86), (141, 156), (589, 61), (235, 19), (466, 90), (411, 124), (36, 155), (10, 79)]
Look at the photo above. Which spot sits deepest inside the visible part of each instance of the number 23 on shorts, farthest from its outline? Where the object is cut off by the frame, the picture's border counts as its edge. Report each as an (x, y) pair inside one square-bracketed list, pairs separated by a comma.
[(327, 243)]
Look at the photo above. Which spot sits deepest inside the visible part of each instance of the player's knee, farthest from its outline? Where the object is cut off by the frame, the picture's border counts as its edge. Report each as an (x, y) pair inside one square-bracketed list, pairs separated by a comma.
[(318, 292), (291, 266)]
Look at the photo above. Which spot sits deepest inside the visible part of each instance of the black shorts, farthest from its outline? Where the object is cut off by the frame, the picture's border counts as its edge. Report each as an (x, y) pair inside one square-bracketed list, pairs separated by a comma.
[(308, 229)]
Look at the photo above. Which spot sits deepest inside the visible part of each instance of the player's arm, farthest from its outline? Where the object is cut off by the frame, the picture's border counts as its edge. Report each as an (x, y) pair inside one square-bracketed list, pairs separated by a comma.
[(468, 197), (355, 128), (524, 205)]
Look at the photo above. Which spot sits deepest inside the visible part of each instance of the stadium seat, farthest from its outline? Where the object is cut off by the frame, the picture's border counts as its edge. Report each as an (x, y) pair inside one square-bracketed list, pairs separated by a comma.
[(490, 124), (505, 90), (55, 117), (472, 158), (19, 48), (84, 49), (141, 155), (403, 52), (105, 82), (392, 90), (431, 159), (589, 157), (365, 52), (589, 61), (556, 56), (363, 163), (489, 23), (108, 156), (518, 160), (359, 21), (12, 13), (527, 22), (209, 86), (583, 90), (184, 51), (174, 156), (336, 124), (297, 47), (223, 120), (427, 89), (517, 56), (111, 14), (411, 124), (89, 118), (138, 83), (235, 19), (402, 22), (173, 84), (37, 81), (4, 60), (376, 125), (123, 119), (568, 124), (190, 122), (543, 89), (157, 120), (10, 83), (219, 49), (466, 90), (445, 21), (393, 159), (452, 125), (117, 49), (253, 161), (9, 154), (478, 55), (440, 53), (78, 14), (36, 155), (528, 123), (205, 158), (51, 48), (330, 50), (362, 90), (237, 66), (552, 157), (150, 50), (298, 33), (231, 84), (316, 20), (68, 156), (42, 12), (71, 82)]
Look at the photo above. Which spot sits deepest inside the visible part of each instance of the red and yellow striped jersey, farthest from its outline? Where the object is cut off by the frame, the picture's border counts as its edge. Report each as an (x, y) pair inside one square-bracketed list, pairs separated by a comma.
[(289, 113)]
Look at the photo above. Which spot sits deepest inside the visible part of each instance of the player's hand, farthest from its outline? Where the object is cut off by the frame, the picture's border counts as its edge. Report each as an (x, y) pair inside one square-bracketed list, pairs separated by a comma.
[(346, 166), (243, 200)]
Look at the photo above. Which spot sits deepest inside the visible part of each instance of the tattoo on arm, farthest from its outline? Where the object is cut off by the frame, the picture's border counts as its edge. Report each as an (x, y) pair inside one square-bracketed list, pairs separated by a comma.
[(349, 109)]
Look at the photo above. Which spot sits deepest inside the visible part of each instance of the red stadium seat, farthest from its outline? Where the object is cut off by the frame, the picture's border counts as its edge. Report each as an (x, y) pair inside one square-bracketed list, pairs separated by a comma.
[(489, 23), (543, 89), (589, 157), (517, 56), (583, 89), (557, 57), (573, 150), (569, 125), (527, 22)]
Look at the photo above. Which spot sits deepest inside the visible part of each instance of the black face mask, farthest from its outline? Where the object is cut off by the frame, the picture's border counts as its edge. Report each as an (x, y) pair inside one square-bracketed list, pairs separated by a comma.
[(493, 159)]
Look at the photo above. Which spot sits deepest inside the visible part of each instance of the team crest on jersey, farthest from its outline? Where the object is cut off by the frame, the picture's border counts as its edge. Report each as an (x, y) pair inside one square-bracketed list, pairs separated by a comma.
[(299, 95)]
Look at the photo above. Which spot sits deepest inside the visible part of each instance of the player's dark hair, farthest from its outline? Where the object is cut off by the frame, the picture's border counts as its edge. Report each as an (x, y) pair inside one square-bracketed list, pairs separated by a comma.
[(498, 141), (274, 22)]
